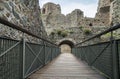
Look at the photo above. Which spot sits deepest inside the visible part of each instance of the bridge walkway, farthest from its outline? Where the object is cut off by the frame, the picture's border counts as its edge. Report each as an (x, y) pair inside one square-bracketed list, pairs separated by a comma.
[(67, 66)]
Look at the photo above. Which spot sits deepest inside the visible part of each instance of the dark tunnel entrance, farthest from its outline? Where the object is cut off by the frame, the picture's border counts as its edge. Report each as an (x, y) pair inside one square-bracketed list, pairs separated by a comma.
[(66, 46)]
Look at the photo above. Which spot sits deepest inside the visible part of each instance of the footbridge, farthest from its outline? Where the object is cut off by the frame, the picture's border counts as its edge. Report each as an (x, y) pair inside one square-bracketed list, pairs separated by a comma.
[(20, 59)]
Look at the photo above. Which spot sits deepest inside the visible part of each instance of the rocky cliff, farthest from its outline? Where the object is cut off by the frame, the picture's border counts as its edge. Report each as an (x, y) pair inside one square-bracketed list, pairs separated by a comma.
[(115, 12), (103, 12), (109, 11), (23, 13)]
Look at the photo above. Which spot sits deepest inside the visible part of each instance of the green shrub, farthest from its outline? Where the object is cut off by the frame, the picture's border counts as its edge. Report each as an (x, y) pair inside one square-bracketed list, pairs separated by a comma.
[(87, 31), (64, 34), (71, 32), (59, 32), (107, 35), (52, 33), (81, 27)]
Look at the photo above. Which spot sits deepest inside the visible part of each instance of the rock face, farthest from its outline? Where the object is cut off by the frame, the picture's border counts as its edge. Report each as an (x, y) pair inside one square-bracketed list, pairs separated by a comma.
[(52, 17), (109, 11), (103, 3), (115, 12), (73, 25), (74, 18), (51, 8), (23, 13), (103, 12), (27, 14)]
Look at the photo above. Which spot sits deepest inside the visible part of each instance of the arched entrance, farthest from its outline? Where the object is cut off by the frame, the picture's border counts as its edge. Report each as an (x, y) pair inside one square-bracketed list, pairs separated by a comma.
[(65, 48), (66, 45)]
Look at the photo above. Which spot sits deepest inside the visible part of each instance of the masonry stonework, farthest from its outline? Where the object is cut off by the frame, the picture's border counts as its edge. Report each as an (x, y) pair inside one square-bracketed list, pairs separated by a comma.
[(28, 15), (23, 13), (73, 24)]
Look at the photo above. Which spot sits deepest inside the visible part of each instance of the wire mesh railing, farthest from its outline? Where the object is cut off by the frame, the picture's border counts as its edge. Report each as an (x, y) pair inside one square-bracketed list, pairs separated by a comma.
[(104, 56), (19, 58), (10, 59)]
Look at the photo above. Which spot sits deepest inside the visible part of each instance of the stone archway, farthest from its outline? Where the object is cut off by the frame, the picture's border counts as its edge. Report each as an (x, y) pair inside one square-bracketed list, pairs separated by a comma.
[(66, 45)]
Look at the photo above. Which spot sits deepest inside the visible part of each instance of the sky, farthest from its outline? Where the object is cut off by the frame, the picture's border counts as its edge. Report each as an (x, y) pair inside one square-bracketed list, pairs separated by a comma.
[(67, 6)]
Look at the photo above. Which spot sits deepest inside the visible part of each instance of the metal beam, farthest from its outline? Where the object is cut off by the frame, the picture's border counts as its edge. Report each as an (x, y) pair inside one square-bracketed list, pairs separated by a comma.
[(9, 24), (102, 33), (115, 57), (10, 49), (36, 57)]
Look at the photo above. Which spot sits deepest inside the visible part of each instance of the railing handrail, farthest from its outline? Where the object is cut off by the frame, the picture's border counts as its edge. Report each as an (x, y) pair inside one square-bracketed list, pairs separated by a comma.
[(5, 22), (100, 34)]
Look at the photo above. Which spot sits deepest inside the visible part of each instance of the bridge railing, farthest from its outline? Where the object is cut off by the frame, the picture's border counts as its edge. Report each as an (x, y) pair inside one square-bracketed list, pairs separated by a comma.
[(19, 58), (103, 56)]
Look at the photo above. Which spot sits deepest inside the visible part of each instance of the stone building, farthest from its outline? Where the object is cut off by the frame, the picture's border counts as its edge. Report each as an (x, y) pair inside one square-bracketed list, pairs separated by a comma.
[(51, 16), (28, 15), (74, 18), (73, 24), (51, 8)]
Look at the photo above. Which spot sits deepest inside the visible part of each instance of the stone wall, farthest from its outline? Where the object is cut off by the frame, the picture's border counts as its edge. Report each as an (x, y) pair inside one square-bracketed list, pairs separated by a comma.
[(71, 24), (74, 18), (51, 8), (115, 12), (28, 15), (52, 17), (109, 11), (103, 12), (103, 3), (77, 33), (23, 13)]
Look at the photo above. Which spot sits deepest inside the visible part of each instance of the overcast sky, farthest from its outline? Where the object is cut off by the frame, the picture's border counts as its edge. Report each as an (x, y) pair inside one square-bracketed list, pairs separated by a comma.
[(88, 6)]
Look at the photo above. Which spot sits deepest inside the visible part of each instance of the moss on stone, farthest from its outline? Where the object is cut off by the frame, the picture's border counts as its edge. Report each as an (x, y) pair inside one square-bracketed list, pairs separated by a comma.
[(64, 34), (59, 32), (87, 31)]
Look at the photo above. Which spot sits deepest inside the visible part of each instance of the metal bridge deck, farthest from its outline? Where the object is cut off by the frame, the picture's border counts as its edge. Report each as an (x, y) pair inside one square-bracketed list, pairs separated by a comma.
[(66, 66)]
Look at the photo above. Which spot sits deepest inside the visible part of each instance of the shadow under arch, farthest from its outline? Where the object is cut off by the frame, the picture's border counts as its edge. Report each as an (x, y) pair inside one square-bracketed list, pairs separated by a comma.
[(66, 45), (68, 42)]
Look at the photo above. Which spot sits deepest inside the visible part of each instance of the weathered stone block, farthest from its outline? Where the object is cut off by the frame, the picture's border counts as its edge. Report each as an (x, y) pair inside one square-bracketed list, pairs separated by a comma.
[(6, 5)]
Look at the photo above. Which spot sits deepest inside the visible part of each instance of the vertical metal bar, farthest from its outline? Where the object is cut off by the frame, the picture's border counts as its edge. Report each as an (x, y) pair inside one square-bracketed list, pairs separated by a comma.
[(44, 52), (0, 45), (23, 51), (111, 42), (51, 53), (115, 60)]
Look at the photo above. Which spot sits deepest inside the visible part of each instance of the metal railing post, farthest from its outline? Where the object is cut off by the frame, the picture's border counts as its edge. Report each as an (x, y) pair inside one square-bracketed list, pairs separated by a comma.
[(51, 53), (44, 44), (23, 51), (115, 62), (115, 58), (23, 44)]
